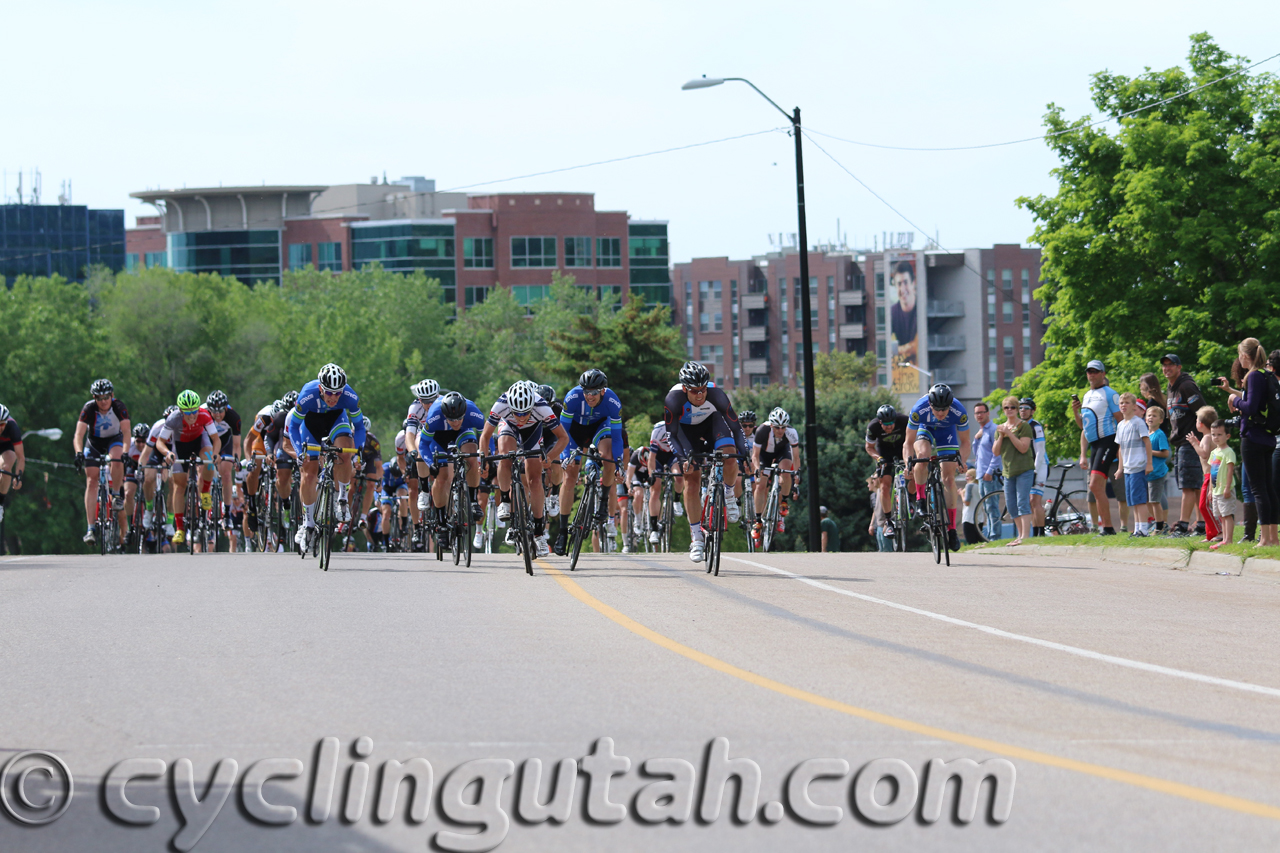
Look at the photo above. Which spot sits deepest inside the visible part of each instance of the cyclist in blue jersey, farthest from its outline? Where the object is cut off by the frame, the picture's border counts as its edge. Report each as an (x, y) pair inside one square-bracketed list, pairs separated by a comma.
[(394, 501), (327, 408), (938, 425), (592, 414), (452, 419)]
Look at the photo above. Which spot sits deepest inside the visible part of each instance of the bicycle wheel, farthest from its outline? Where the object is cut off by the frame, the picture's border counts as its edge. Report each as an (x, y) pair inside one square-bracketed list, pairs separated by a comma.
[(938, 521), (520, 515), (668, 515), (991, 515), (769, 519), (1071, 514), (902, 507), (717, 528), (466, 525), (324, 524), (455, 523), (159, 515), (578, 529), (193, 513)]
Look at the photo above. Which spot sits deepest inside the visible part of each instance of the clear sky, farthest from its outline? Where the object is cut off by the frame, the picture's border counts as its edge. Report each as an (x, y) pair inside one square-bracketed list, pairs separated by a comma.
[(125, 96)]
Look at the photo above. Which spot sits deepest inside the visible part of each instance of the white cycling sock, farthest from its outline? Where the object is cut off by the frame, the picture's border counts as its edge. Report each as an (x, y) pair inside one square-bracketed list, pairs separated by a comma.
[(310, 514), (342, 490), (695, 530)]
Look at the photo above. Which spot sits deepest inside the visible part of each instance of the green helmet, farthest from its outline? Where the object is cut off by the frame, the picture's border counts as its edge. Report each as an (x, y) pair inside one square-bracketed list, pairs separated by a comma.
[(188, 401)]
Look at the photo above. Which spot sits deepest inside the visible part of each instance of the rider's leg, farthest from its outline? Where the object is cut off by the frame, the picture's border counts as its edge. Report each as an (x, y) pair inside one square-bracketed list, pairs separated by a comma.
[(91, 494), (693, 499), (953, 496), (440, 488), (179, 499), (885, 498), (760, 493)]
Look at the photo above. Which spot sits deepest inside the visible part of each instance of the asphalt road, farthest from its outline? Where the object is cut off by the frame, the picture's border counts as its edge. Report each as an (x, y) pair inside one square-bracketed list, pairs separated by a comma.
[(1137, 708)]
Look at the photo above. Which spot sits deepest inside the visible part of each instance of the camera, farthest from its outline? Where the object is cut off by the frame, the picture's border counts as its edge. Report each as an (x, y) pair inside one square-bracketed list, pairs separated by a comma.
[(1231, 422), (1220, 382)]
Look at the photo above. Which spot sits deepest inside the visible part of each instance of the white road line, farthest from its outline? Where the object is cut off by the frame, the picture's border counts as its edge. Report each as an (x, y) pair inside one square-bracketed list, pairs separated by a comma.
[(1048, 644)]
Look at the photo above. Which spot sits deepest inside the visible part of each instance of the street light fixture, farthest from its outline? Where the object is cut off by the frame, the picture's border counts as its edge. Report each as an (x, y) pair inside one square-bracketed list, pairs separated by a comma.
[(52, 433), (916, 369), (810, 407)]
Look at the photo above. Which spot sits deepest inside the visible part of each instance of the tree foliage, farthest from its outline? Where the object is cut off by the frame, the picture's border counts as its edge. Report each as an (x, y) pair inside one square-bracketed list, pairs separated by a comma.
[(1164, 234)]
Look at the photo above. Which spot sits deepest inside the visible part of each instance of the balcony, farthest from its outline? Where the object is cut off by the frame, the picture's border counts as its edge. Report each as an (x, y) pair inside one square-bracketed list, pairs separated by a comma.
[(755, 333), (754, 300), (759, 366), (945, 308), (950, 377), (946, 343), (851, 330), (850, 297)]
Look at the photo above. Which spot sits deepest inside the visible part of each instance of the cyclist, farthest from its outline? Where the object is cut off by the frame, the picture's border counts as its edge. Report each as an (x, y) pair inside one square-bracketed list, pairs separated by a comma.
[(640, 481), (395, 499), (452, 419), (13, 458), (425, 394), (883, 443), (748, 420), (372, 470), (938, 424), (154, 478), (327, 409), (554, 473), (279, 447), (133, 473), (1027, 411), (518, 417), (226, 421), (592, 416), (775, 441), (700, 419), (100, 432), (405, 456), (193, 434), (661, 458), (254, 446)]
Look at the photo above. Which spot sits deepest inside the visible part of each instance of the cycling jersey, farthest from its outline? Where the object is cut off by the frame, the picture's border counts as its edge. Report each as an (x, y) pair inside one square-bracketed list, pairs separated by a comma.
[(417, 415), (944, 433), (1105, 404), (437, 435), (372, 448), (660, 439), (104, 424), (271, 436), (888, 444), (639, 460), (313, 419), (10, 435), (768, 442), (227, 427), (543, 414), (589, 424), (400, 443), (392, 479), (176, 425), (714, 423), (1042, 458)]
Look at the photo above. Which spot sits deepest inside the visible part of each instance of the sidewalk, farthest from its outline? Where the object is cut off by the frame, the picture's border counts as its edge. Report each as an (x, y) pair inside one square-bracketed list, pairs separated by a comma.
[(1185, 554)]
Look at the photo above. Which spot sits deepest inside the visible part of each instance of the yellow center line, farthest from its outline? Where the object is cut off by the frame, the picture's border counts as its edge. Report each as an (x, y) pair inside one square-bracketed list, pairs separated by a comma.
[(1151, 783)]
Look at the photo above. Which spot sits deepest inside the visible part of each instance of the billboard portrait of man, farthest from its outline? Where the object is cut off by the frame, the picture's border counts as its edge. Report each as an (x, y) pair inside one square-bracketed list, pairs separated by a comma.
[(903, 320)]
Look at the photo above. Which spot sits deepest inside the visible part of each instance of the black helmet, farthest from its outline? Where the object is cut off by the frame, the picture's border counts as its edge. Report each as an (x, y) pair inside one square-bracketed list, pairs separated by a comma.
[(290, 399), (141, 431), (694, 374), (101, 387), (747, 417), (886, 413), (216, 400), (940, 396), (593, 380), (453, 406), (1027, 403), (170, 409), (547, 393)]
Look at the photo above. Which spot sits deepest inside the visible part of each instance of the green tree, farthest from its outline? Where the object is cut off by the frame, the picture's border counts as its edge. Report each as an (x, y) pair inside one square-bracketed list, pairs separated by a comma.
[(833, 371), (1162, 235)]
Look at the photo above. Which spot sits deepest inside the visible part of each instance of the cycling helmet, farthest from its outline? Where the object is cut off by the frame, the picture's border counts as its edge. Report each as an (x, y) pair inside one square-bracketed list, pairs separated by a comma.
[(521, 397), (368, 424), (547, 393), (279, 407), (657, 424), (694, 374), (427, 390), (332, 378), (779, 418), (188, 401), (940, 396), (453, 406), (404, 424), (1027, 403), (747, 416), (886, 413), (4, 412), (593, 380), (290, 399), (140, 431), (169, 410), (216, 400), (101, 387)]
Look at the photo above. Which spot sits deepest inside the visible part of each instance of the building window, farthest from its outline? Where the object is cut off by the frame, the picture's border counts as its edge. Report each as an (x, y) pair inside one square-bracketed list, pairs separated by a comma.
[(249, 256), (299, 256), (1008, 377), (476, 295), (1026, 285), (688, 306), (477, 253), (1006, 280), (577, 251), (880, 318), (1008, 346), (1008, 312), (782, 301), (710, 307), (879, 285), (757, 349), (733, 310), (131, 261), (608, 251), (992, 374), (1026, 314), (713, 357), (157, 259), (533, 251), (648, 251), (530, 295), (757, 316), (831, 299), (330, 256)]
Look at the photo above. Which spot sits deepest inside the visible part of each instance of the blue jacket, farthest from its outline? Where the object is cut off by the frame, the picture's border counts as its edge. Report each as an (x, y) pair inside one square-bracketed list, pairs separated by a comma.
[(576, 411), (310, 402)]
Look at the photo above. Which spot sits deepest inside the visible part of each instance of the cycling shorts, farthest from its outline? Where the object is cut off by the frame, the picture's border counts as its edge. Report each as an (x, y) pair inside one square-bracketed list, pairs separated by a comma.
[(712, 434), (782, 454), (428, 447), (528, 438), (943, 437), (585, 435), (884, 467), (96, 446), (185, 449), (327, 425), (389, 498), (663, 458), (1103, 453)]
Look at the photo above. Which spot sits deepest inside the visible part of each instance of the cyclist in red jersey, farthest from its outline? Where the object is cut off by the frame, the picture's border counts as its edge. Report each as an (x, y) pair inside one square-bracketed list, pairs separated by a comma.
[(192, 431)]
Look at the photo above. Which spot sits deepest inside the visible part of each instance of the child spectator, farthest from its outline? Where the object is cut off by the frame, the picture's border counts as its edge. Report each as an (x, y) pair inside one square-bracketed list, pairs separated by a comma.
[(1159, 476), (1222, 467), (1134, 440), (969, 496), (1203, 446)]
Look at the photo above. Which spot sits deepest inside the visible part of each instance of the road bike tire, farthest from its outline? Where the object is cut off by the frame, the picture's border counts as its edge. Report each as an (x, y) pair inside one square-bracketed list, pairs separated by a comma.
[(490, 523), (1071, 515), (717, 527), (903, 512), (769, 521), (467, 531), (521, 516), (578, 528), (454, 521), (938, 523), (667, 517)]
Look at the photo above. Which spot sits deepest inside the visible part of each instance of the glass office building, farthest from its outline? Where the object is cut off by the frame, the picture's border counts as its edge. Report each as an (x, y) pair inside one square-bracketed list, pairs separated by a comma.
[(59, 239), (650, 273), (250, 256), (409, 246)]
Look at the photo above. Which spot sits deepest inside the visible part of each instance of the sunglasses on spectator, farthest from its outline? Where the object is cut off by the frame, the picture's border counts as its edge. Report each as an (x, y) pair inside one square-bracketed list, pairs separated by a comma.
[(1010, 408)]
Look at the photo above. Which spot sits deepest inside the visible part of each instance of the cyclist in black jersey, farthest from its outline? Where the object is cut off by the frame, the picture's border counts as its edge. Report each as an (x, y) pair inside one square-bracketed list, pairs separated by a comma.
[(371, 456), (883, 443), (13, 459), (101, 430)]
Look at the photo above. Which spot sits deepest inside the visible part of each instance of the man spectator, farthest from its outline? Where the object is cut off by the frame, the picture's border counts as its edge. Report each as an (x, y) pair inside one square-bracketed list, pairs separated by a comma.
[(876, 527), (830, 532), (1184, 400), (987, 466), (1097, 417)]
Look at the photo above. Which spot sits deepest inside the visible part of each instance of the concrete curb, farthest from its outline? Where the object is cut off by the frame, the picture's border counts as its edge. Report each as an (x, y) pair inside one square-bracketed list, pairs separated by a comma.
[(1258, 564), (1212, 563), (1200, 562), (1171, 558)]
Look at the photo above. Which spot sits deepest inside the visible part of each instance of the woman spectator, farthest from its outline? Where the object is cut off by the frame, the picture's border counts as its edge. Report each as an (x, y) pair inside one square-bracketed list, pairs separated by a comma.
[(1238, 373), (1256, 444), (1149, 394), (1013, 444)]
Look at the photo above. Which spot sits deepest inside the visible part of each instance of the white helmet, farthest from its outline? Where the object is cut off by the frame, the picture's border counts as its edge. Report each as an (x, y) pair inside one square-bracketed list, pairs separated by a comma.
[(4, 412), (779, 418), (332, 378), (522, 396), (426, 390)]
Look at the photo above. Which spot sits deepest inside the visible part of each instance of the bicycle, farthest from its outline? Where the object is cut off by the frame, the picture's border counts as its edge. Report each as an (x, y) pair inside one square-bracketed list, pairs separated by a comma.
[(772, 506), (934, 524), (666, 510), (589, 516), (460, 525), (713, 507), (326, 512), (521, 516), (357, 505), (1069, 512), (196, 521), (268, 508), (106, 527), (747, 521), (901, 503)]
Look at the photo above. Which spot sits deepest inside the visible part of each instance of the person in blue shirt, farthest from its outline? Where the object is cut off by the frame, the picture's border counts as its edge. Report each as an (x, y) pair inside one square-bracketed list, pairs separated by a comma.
[(452, 419), (329, 409), (938, 425), (591, 414), (1097, 417)]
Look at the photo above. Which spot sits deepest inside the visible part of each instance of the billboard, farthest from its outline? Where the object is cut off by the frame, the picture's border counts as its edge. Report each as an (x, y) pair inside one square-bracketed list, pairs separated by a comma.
[(903, 297)]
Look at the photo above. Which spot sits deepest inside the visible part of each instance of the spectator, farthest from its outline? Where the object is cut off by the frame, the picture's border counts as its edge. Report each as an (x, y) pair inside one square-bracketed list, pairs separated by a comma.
[(1018, 461), (1159, 475), (1222, 465), (969, 497), (1238, 374), (988, 467), (830, 532), (1184, 400), (1203, 446), (1027, 411), (1256, 444), (1151, 395), (1097, 417), (1134, 440), (876, 527), (1273, 367)]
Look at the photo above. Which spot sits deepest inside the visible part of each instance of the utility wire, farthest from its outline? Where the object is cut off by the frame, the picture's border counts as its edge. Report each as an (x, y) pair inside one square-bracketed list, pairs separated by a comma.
[(1056, 133)]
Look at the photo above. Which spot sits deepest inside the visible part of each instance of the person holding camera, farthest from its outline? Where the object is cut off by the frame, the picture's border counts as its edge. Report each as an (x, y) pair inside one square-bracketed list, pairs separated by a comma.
[(1257, 444), (1097, 417)]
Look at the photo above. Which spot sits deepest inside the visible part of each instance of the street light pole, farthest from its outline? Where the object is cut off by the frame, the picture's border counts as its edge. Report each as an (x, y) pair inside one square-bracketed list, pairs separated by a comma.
[(810, 406)]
